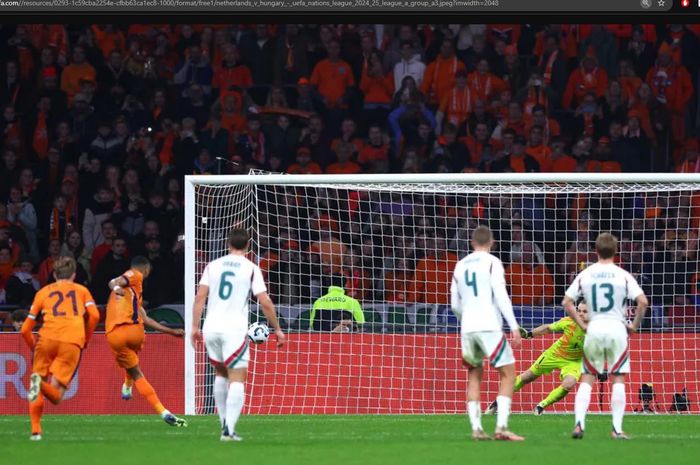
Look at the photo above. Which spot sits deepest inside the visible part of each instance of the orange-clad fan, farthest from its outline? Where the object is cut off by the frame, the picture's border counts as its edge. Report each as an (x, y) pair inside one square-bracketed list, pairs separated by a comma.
[(433, 276), (63, 306), (588, 77), (230, 73), (304, 165), (672, 86), (483, 83), (332, 77), (78, 70), (559, 161), (377, 87), (530, 283), (457, 104), (440, 75), (344, 165)]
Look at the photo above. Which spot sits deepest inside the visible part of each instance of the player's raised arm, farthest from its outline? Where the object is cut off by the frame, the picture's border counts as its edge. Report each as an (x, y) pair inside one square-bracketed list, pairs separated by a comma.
[(197, 309), (500, 294)]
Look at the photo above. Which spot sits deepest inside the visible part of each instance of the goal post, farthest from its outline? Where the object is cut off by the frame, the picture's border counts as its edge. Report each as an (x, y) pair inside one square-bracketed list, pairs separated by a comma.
[(390, 241)]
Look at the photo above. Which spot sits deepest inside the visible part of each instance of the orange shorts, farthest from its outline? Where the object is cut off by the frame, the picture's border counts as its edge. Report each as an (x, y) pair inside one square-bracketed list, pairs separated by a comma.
[(126, 341), (56, 358)]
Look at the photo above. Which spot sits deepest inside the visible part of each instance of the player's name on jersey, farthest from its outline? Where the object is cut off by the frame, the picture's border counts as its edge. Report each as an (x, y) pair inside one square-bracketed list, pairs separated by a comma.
[(603, 275), (233, 264)]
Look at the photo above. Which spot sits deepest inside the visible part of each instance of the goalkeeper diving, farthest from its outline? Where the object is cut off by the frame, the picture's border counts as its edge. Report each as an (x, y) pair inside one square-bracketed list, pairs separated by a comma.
[(565, 355)]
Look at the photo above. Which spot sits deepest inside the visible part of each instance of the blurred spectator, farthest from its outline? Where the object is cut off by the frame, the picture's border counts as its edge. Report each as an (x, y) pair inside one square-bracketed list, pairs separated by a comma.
[(108, 232), (74, 247), (17, 318), (21, 285), (410, 64), (113, 264), (45, 271), (344, 165), (439, 76), (303, 164), (78, 70), (530, 284), (21, 212), (158, 289), (332, 77), (432, 277)]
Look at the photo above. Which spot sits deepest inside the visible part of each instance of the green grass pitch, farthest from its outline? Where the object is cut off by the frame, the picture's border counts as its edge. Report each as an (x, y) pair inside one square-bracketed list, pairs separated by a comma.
[(351, 439)]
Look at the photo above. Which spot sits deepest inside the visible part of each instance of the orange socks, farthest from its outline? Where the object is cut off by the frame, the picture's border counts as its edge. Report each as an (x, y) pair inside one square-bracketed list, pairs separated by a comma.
[(51, 393), (36, 409), (128, 380), (147, 391)]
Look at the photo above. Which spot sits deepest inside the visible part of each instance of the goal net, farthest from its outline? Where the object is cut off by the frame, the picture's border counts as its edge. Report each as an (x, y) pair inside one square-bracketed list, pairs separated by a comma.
[(391, 242)]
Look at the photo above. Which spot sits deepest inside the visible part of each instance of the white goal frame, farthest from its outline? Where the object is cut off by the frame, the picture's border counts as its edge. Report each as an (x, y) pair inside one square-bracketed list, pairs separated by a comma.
[(396, 179)]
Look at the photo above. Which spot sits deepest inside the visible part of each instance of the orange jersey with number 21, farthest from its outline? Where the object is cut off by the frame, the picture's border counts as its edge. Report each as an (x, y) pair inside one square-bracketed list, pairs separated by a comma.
[(125, 309), (63, 305)]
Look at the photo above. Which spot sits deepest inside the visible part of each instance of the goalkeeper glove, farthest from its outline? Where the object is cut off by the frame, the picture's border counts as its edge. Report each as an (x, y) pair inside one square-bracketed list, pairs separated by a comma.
[(525, 333)]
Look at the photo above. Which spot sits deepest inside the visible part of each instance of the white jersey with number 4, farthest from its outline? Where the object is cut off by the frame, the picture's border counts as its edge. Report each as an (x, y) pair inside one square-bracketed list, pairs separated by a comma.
[(606, 288), (231, 280), (479, 294)]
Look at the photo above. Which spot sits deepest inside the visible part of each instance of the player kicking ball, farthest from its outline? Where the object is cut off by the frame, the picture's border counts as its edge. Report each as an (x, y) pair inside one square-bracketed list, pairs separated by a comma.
[(564, 355), (225, 286), (606, 287), (125, 333), (480, 300), (62, 337)]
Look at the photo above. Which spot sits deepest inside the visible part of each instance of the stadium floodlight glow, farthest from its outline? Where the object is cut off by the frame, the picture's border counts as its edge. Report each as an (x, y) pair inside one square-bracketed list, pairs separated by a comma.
[(406, 359)]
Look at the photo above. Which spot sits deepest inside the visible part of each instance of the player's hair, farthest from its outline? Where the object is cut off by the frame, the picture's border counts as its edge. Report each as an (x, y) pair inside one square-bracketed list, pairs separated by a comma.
[(238, 238), (482, 236), (606, 245), (64, 267), (140, 262)]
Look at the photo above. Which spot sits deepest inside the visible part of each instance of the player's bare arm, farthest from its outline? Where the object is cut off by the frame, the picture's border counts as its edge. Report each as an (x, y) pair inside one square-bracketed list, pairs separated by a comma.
[(570, 307), (153, 324), (118, 284), (269, 310), (197, 310), (93, 319), (642, 306)]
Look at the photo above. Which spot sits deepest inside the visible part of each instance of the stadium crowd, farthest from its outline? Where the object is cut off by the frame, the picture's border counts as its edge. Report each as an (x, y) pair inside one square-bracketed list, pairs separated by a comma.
[(101, 122)]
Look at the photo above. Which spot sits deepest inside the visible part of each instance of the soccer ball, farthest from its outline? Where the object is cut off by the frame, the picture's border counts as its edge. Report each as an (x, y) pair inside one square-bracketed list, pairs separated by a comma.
[(258, 333)]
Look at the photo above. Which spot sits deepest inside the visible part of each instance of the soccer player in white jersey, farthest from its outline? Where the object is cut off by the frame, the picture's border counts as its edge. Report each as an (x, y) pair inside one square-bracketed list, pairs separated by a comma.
[(607, 288), (231, 278), (480, 300)]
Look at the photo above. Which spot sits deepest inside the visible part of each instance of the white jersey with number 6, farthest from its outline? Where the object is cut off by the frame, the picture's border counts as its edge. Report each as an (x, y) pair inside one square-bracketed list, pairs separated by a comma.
[(479, 295), (606, 288), (231, 280)]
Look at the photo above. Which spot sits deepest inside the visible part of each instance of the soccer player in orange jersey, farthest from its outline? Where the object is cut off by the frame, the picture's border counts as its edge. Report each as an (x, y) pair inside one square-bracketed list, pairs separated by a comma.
[(125, 333), (63, 336)]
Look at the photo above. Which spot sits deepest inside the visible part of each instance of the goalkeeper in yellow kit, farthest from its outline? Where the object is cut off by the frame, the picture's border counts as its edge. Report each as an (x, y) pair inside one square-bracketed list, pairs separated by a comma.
[(564, 355)]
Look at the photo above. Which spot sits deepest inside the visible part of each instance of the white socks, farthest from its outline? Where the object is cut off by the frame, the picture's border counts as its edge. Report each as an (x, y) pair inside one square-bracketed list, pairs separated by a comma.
[(234, 405), (617, 402), (220, 393), (474, 410), (583, 399), (503, 404)]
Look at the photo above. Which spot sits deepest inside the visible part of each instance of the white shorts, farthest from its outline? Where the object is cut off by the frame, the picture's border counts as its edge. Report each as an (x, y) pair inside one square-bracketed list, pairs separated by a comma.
[(227, 350), (491, 344), (605, 348)]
